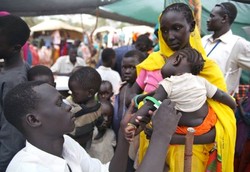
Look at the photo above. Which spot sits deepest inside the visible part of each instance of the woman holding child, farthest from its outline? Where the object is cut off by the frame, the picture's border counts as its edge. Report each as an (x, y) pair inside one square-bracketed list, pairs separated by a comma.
[(177, 31)]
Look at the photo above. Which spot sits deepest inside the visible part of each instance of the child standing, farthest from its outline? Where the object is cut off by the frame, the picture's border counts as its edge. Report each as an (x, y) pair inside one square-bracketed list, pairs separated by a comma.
[(14, 33), (84, 84), (129, 62), (104, 141), (128, 72)]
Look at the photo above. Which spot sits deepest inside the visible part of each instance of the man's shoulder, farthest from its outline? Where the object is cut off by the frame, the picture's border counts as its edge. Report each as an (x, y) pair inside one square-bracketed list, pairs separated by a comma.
[(15, 75), (241, 40), (21, 161), (115, 73)]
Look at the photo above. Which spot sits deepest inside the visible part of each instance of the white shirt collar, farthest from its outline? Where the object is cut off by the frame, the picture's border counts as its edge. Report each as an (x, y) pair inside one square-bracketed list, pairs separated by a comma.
[(58, 163), (226, 37)]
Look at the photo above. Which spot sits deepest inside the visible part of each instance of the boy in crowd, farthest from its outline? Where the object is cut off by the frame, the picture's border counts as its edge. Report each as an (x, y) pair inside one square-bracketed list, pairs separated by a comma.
[(14, 33), (104, 141), (129, 62), (84, 83)]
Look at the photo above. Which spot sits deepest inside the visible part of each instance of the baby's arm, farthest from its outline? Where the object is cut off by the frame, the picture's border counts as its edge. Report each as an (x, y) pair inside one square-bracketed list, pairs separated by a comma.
[(219, 95), (224, 98)]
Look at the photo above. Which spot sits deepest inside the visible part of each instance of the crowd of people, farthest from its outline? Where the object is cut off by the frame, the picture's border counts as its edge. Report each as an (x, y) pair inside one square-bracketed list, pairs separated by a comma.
[(127, 107)]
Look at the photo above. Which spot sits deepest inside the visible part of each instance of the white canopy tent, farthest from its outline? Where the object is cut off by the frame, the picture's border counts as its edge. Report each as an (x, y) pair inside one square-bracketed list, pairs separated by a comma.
[(54, 25), (66, 30)]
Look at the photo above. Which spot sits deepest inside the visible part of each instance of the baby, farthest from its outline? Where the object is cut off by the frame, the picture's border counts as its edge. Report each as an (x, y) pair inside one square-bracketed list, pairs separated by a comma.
[(189, 91)]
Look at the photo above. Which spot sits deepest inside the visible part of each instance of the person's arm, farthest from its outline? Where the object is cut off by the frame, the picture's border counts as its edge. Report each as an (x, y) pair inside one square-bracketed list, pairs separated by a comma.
[(11, 140), (154, 159), (158, 95), (207, 138), (224, 98), (241, 53), (120, 158)]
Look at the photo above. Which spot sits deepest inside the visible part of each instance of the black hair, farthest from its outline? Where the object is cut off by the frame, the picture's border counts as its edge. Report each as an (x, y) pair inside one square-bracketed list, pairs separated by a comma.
[(72, 48), (229, 9), (143, 43), (39, 70), (194, 58), (20, 101), (108, 54), (136, 54), (182, 8), (104, 82), (87, 77), (14, 29), (108, 104)]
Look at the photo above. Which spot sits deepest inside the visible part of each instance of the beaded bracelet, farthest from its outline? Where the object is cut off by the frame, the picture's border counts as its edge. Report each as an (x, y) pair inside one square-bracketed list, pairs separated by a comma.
[(157, 103)]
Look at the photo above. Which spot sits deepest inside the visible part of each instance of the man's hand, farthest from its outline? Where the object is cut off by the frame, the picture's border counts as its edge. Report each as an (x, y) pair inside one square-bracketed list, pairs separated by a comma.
[(165, 119)]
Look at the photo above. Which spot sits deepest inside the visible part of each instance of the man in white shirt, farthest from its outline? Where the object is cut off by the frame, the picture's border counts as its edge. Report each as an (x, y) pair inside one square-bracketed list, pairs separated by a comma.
[(230, 51), (106, 71), (44, 118), (65, 64)]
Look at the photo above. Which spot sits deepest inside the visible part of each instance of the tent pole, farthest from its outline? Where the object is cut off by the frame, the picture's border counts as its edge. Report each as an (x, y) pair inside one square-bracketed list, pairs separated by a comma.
[(188, 149), (165, 4), (96, 23)]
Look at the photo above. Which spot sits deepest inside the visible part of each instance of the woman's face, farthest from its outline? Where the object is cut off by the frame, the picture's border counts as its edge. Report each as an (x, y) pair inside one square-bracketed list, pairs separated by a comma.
[(175, 30)]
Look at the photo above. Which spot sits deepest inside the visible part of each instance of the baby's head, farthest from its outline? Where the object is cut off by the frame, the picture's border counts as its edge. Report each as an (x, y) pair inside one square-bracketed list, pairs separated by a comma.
[(187, 60), (84, 84)]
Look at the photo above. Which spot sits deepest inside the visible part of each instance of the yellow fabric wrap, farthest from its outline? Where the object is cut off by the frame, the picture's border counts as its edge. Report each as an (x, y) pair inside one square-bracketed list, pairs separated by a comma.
[(225, 126)]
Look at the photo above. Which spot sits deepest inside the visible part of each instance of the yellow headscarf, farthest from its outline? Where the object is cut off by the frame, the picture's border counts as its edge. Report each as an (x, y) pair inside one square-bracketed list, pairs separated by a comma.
[(226, 124)]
